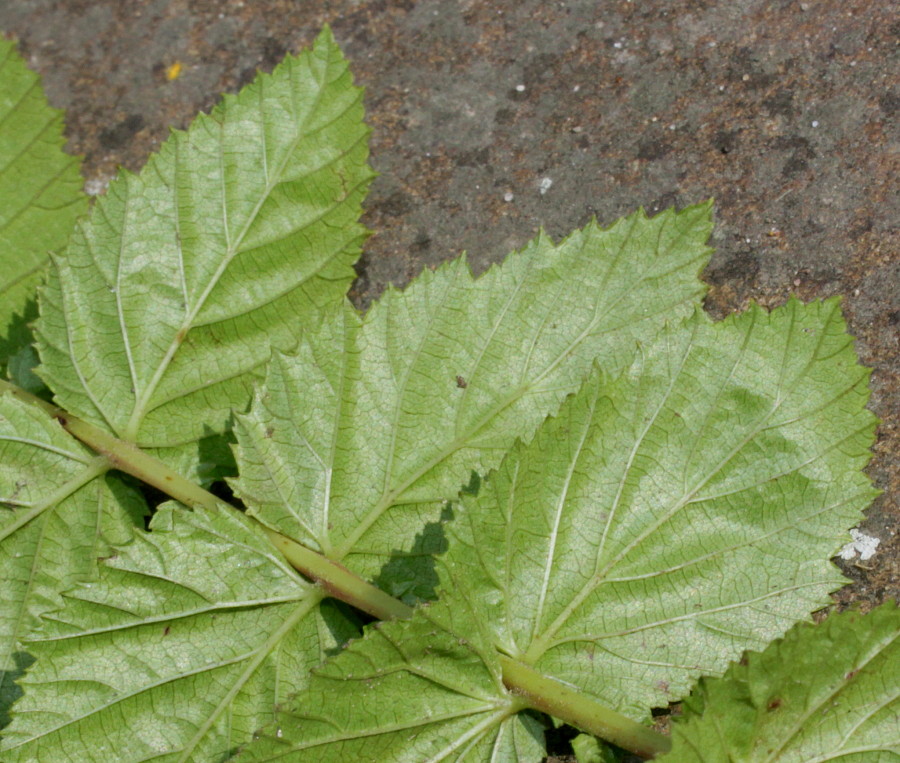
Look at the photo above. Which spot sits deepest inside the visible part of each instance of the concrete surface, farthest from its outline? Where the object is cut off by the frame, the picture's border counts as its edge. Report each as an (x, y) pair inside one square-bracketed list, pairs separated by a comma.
[(494, 118)]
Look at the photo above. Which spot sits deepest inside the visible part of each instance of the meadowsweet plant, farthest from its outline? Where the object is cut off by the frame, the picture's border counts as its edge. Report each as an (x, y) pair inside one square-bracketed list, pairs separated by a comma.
[(563, 493)]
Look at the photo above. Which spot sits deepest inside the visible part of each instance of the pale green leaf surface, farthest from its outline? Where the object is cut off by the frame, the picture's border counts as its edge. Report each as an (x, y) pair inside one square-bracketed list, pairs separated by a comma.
[(408, 692), (670, 245), (178, 652), (680, 514), (40, 190), (57, 516), (234, 236), (395, 411), (665, 521), (826, 692)]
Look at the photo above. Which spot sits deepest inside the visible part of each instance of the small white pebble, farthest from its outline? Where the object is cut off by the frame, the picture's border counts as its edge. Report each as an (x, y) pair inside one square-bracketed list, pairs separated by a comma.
[(508, 196), (617, 45), (862, 544), (520, 88), (815, 123), (576, 88), (544, 185)]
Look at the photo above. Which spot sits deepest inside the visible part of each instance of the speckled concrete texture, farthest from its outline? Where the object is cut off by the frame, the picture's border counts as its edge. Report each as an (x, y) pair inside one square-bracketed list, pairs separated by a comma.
[(492, 118)]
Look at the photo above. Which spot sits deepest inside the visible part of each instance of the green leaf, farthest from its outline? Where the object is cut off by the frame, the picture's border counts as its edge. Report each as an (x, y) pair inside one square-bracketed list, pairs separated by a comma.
[(410, 691), (684, 512), (178, 652), (437, 381), (40, 195), (639, 268), (58, 515), (171, 295), (823, 692), (665, 521)]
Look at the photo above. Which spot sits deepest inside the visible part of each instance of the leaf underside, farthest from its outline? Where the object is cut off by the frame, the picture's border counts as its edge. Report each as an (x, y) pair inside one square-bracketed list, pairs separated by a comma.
[(40, 198), (678, 509), (352, 452), (57, 518), (171, 295), (828, 692), (666, 520), (404, 356)]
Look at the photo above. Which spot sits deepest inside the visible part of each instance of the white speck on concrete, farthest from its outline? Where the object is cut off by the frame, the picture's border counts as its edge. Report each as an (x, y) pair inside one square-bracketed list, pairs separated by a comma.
[(544, 185), (96, 186), (508, 196), (862, 544)]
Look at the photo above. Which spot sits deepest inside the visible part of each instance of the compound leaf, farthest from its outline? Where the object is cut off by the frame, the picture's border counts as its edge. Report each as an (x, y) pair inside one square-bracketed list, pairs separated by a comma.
[(40, 197), (826, 692), (165, 308), (629, 278)]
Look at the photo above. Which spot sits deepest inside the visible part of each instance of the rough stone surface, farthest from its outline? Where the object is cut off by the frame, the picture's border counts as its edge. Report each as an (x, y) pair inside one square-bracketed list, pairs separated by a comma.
[(492, 118)]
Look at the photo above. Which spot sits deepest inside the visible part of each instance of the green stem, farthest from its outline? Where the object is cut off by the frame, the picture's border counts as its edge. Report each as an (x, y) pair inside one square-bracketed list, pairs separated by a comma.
[(121, 454), (539, 691), (338, 581), (561, 701)]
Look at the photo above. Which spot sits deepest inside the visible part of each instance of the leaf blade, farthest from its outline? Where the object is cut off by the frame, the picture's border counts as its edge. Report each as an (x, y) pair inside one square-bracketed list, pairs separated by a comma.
[(652, 530), (40, 191), (169, 637), (179, 243), (58, 514), (822, 692)]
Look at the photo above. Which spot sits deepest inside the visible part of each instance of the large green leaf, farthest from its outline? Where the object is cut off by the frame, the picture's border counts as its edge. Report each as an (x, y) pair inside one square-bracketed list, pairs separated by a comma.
[(398, 364), (826, 692), (57, 517), (178, 652), (665, 521), (171, 295), (682, 513), (357, 439), (40, 194)]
